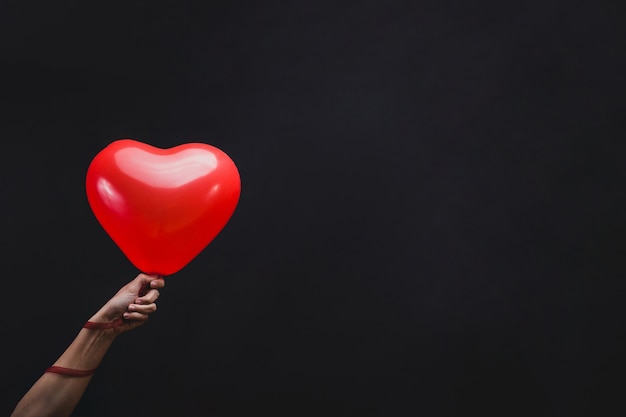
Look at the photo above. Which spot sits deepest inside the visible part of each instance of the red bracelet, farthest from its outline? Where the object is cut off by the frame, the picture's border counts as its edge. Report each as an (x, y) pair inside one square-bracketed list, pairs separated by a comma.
[(99, 326), (69, 371)]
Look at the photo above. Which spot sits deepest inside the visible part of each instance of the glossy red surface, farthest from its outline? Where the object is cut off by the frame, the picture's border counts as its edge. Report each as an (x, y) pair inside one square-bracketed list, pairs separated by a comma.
[(162, 207)]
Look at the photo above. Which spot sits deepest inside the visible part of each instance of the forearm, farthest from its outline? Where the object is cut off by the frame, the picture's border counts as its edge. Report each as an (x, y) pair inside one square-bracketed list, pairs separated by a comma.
[(56, 395)]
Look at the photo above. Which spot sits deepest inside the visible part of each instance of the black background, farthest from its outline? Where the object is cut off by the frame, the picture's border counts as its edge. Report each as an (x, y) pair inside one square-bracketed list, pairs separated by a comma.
[(432, 215)]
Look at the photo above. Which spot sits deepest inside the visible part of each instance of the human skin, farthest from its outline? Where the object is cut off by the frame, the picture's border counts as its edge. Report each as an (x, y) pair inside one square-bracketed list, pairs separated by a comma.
[(56, 395)]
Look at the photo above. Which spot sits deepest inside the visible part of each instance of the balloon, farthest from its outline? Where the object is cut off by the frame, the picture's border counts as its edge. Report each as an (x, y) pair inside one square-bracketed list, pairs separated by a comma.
[(162, 207)]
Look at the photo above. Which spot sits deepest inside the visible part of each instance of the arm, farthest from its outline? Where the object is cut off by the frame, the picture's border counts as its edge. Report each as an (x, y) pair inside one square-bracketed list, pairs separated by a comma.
[(57, 394)]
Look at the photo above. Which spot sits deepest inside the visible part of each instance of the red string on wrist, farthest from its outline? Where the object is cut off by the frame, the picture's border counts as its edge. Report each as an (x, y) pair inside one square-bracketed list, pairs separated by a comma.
[(79, 372), (69, 371), (99, 326)]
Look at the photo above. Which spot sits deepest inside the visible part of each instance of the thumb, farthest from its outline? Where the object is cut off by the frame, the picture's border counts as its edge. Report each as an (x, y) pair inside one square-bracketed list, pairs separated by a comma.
[(142, 282)]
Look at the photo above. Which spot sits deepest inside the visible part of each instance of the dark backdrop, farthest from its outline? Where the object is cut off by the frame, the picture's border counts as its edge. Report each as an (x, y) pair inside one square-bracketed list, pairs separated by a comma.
[(432, 215)]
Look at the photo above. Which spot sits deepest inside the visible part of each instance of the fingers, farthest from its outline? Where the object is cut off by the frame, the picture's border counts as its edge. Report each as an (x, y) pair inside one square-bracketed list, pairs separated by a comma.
[(143, 309), (149, 297), (145, 278), (139, 312), (158, 282), (135, 316), (144, 305), (145, 281)]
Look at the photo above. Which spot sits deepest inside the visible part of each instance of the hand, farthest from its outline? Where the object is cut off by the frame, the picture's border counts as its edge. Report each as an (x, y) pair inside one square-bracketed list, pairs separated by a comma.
[(130, 304)]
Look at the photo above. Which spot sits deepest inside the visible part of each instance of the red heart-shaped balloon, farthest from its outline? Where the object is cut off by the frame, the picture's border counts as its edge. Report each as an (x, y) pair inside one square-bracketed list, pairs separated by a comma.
[(162, 207)]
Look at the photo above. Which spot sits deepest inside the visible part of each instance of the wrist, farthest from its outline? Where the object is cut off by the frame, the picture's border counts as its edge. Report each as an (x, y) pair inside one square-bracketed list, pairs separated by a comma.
[(98, 333), (100, 318), (104, 315), (84, 354), (105, 325)]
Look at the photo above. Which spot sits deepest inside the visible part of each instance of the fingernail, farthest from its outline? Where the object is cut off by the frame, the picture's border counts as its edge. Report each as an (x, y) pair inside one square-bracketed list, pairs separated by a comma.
[(131, 307), (126, 315)]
